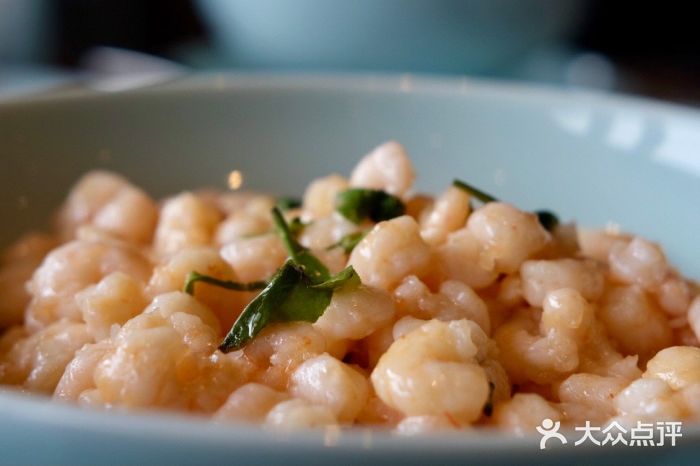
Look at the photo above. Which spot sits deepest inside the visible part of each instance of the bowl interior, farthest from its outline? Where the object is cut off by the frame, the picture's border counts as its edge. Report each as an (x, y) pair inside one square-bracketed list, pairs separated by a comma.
[(588, 157)]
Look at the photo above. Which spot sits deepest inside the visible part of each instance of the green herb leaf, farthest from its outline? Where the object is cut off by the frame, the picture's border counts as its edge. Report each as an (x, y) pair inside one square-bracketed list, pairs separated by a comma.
[(194, 277), (290, 296), (348, 242), (357, 204), (296, 226), (488, 406), (301, 256), (300, 290), (346, 278), (288, 203), (547, 219), (477, 193)]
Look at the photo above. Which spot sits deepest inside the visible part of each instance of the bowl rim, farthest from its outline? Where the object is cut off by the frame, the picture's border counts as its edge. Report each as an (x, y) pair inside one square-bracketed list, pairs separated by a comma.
[(192, 430), (173, 427), (459, 86)]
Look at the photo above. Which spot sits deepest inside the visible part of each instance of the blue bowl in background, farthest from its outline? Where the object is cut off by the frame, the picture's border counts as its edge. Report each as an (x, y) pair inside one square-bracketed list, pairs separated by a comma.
[(446, 36)]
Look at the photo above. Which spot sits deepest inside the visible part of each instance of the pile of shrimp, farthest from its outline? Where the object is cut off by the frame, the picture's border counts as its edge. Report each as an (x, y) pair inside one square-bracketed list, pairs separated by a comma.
[(466, 317)]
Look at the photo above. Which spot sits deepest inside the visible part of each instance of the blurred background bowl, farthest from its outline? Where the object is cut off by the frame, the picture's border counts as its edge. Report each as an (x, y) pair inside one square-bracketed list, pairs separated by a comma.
[(24, 30), (436, 36), (569, 43)]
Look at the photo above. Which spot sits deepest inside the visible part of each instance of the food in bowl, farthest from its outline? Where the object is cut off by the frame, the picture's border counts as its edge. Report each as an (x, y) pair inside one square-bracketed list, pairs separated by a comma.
[(363, 304)]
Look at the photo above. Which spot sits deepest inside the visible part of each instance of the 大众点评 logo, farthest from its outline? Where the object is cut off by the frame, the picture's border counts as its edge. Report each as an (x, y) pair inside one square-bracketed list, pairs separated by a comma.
[(644, 434)]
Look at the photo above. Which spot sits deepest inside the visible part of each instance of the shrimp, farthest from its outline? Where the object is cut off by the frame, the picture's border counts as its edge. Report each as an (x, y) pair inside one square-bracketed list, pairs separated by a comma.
[(552, 351), (280, 348), (434, 371), (18, 264), (185, 221), (387, 167), (392, 250), (325, 381), (165, 358), (38, 361), (73, 267), (112, 204), (448, 213), (453, 301), (507, 235)]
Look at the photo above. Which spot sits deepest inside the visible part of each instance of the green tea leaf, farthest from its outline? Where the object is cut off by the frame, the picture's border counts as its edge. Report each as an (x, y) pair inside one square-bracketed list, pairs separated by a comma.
[(194, 277), (349, 241), (290, 296), (296, 226), (547, 219), (477, 193), (488, 406), (301, 256), (300, 290), (358, 204), (346, 278), (288, 203)]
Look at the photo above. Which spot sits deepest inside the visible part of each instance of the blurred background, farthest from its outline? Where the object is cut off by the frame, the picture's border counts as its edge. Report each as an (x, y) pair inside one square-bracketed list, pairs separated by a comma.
[(645, 48)]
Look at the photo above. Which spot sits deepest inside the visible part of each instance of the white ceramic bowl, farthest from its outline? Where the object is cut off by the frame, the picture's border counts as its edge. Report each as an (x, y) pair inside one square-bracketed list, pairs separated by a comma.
[(587, 156)]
